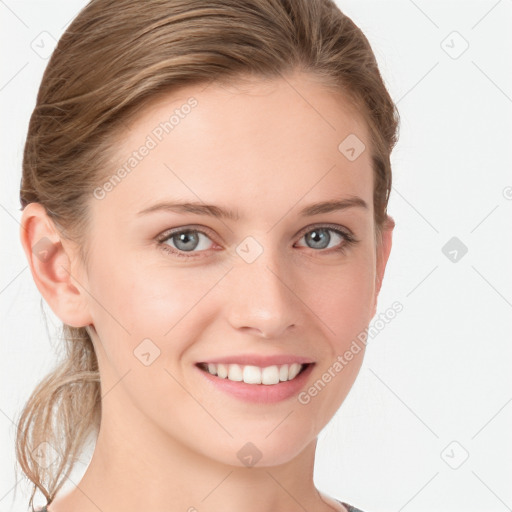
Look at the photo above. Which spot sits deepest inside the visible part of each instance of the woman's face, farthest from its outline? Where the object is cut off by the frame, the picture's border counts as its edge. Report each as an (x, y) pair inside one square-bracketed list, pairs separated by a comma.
[(171, 287)]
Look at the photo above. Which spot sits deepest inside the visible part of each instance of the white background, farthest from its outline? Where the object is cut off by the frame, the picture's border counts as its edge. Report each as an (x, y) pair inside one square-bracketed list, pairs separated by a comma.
[(439, 374)]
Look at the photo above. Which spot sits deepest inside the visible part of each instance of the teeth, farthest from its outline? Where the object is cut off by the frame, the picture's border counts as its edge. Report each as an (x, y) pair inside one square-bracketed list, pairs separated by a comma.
[(222, 371), (254, 374), (293, 371), (283, 372), (235, 373), (270, 375)]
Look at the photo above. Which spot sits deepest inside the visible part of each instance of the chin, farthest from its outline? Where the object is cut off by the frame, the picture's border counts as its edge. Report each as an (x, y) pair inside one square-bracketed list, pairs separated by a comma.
[(280, 447)]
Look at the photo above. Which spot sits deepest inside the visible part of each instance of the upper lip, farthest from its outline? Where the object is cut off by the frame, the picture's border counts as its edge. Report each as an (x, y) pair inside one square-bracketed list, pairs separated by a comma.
[(259, 360)]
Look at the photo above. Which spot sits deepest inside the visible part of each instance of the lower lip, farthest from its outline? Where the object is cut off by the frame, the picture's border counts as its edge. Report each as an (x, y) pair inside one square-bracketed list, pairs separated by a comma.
[(260, 393)]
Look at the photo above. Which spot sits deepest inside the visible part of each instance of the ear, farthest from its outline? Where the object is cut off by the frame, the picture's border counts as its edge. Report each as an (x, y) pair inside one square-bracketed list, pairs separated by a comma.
[(383, 250), (51, 266)]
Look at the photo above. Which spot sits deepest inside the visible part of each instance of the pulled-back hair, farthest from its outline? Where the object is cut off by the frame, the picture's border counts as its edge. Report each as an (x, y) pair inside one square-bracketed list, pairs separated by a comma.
[(114, 58)]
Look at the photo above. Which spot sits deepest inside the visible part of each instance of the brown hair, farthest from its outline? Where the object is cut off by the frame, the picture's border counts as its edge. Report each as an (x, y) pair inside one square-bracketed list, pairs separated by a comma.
[(114, 58)]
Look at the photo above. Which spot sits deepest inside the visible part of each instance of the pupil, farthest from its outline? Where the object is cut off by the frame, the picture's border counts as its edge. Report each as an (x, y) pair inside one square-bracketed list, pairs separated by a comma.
[(316, 237), (184, 238)]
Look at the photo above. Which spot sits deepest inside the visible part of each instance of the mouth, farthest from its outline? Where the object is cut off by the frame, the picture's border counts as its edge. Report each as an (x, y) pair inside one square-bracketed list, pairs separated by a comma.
[(249, 374)]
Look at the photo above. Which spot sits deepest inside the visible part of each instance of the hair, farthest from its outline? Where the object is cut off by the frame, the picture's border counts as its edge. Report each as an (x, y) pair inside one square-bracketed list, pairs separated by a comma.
[(116, 57)]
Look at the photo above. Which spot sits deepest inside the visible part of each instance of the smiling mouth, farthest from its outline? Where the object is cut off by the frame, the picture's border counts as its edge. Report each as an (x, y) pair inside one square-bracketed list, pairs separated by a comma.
[(269, 375)]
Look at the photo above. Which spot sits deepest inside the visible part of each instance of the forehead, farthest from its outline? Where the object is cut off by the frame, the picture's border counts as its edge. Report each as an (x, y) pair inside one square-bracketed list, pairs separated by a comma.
[(253, 141)]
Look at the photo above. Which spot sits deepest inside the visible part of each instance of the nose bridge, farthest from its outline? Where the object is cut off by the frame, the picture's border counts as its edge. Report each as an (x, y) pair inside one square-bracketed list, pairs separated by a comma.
[(260, 282)]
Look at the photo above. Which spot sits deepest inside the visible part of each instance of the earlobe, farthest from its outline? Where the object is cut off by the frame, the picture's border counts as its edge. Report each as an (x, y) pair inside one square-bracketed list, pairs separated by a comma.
[(383, 251), (50, 265)]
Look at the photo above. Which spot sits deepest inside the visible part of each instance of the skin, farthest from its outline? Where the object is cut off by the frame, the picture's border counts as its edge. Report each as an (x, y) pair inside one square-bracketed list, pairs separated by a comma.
[(265, 148)]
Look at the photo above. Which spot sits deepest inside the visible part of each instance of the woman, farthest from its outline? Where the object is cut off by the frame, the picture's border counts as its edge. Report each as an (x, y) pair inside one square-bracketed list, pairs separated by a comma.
[(204, 201)]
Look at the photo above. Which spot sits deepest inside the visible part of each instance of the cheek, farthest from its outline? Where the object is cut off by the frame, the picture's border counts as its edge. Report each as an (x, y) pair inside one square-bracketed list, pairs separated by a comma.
[(342, 297), (345, 307), (135, 301), (163, 297)]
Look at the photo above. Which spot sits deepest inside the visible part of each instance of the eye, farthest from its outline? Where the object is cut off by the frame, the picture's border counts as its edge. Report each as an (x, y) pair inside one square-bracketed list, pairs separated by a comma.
[(183, 241), (321, 238)]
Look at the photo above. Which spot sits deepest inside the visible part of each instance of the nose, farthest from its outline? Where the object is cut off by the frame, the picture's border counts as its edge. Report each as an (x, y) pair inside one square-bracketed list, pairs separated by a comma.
[(261, 297)]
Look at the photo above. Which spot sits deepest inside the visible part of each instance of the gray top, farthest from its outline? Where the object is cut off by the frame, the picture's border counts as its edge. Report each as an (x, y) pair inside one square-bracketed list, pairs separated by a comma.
[(350, 508)]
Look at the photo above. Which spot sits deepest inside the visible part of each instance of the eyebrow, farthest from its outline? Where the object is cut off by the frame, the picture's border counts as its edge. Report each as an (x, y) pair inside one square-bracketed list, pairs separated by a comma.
[(224, 213)]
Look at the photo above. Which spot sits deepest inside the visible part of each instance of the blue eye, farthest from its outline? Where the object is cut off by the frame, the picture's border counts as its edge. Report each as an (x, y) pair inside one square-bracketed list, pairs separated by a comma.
[(320, 238), (192, 241), (185, 241)]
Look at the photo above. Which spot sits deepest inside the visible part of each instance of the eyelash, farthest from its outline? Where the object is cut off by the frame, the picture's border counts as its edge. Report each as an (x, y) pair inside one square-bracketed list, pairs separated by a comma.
[(349, 240)]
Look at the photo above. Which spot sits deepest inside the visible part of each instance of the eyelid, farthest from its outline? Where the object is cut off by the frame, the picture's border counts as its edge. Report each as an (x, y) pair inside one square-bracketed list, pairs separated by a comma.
[(181, 229), (167, 234), (336, 227), (347, 234)]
